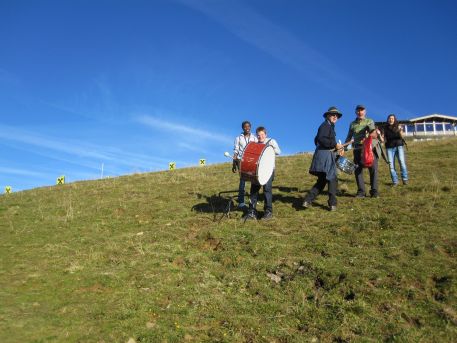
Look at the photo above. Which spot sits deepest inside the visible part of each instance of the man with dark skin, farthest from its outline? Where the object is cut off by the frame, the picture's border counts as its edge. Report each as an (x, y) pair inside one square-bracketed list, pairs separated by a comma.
[(240, 144)]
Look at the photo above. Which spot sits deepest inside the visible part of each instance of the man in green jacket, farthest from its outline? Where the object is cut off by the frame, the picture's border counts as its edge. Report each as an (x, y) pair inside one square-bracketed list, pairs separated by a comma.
[(359, 130)]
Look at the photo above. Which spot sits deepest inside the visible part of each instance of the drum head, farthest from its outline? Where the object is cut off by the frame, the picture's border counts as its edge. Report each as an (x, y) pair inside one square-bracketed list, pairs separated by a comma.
[(345, 165), (266, 165)]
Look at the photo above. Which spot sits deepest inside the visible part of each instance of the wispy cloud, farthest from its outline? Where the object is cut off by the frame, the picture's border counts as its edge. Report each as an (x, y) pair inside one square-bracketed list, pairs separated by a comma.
[(284, 46), (13, 134), (188, 131), (89, 155), (20, 172), (190, 147)]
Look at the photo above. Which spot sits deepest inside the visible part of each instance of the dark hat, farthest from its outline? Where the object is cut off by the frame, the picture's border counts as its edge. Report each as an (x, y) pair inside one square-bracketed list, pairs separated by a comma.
[(360, 107), (333, 110)]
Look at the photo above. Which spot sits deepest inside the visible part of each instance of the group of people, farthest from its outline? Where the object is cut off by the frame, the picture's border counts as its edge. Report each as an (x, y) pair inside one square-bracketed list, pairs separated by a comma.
[(324, 162)]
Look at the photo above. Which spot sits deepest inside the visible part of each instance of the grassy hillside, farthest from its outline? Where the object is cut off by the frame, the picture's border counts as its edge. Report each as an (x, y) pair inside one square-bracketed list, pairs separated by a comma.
[(152, 258)]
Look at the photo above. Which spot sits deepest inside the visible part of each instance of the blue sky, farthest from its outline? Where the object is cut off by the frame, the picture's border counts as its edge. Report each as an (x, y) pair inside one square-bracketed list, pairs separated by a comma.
[(135, 84)]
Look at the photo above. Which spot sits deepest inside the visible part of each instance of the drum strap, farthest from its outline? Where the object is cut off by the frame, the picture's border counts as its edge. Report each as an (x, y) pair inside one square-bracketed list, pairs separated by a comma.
[(247, 141)]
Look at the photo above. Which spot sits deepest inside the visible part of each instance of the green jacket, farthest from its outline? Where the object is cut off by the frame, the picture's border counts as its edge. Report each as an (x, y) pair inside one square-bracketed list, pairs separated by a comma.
[(358, 130)]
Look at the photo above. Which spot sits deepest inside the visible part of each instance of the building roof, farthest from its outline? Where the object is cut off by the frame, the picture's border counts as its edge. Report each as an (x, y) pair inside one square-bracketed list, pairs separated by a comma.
[(435, 116)]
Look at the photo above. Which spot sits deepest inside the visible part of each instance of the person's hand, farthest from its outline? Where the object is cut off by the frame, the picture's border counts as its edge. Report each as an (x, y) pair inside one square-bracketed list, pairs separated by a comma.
[(339, 146), (234, 166)]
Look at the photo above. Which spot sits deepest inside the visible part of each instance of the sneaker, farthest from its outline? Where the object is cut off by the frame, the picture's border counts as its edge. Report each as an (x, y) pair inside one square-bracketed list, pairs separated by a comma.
[(249, 216), (360, 195), (306, 204), (267, 216), (405, 182), (375, 195), (242, 206), (332, 208), (395, 184)]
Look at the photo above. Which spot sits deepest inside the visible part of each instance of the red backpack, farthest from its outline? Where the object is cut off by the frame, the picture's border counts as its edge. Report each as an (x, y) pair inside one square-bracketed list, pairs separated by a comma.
[(367, 152)]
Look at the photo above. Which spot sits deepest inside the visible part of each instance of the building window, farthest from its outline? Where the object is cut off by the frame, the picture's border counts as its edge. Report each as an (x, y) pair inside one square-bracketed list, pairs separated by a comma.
[(429, 127), (448, 127), (411, 128), (439, 127), (420, 127)]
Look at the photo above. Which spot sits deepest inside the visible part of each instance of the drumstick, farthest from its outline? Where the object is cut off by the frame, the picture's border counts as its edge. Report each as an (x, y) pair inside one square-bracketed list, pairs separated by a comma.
[(226, 154)]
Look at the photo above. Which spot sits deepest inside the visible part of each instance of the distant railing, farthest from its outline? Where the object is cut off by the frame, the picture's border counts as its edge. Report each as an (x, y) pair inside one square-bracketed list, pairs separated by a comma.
[(431, 133), (429, 129)]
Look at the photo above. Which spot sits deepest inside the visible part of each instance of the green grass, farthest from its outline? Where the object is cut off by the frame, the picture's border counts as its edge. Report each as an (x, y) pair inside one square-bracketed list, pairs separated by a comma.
[(151, 257)]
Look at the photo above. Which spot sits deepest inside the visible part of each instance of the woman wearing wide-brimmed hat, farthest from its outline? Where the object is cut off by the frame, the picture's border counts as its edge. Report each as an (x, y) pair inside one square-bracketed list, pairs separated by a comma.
[(323, 165)]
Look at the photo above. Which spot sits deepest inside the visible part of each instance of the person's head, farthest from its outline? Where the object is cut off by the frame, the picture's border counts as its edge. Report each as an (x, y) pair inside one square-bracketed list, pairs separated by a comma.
[(332, 114), (246, 126), (392, 120), (261, 134), (360, 111)]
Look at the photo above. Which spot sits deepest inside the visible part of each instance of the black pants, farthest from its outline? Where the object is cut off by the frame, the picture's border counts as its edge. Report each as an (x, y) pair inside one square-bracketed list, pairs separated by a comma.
[(268, 193), (373, 170), (319, 187)]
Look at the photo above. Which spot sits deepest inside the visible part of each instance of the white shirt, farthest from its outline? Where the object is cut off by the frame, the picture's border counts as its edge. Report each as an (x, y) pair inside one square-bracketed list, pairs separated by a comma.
[(240, 144), (271, 142)]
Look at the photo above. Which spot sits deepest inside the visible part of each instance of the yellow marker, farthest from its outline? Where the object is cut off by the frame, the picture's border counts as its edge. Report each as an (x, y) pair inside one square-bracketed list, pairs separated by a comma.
[(202, 162), (8, 189), (61, 180), (172, 165)]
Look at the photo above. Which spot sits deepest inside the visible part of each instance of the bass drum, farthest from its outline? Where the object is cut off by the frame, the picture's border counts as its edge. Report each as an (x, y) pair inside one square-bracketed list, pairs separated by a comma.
[(257, 163)]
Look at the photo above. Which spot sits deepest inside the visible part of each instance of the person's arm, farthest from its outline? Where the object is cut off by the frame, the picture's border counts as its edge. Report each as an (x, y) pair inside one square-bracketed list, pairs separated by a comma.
[(380, 136), (349, 135), (371, 126), (236, 147), (275, 146), (236, 150)]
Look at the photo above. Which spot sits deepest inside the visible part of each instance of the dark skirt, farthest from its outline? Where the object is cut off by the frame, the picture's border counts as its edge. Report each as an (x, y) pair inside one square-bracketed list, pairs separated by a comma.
[(323, 162)]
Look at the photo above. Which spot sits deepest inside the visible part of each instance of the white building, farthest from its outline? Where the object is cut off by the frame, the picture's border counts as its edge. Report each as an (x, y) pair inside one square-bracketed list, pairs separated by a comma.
[(430, 125)]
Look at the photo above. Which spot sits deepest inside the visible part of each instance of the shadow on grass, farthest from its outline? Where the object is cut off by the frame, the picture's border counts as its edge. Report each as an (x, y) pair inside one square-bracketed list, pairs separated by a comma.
[(215, 203), (286, 189)]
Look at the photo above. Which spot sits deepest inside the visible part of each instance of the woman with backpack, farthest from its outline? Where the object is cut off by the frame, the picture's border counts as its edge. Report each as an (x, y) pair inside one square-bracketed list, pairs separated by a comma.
[(393, 136)]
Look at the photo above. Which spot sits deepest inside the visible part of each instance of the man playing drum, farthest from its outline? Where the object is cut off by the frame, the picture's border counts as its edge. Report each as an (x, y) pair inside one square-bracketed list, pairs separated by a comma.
[(267, 188), (323, 165), (240, 144)]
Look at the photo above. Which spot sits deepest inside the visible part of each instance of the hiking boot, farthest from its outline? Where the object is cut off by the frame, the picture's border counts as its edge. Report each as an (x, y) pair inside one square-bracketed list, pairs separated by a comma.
[(306, 204), (249, 216), (267, 216), (332, 208), (360, 195), (375, 195), (395, 184), (405, 182)]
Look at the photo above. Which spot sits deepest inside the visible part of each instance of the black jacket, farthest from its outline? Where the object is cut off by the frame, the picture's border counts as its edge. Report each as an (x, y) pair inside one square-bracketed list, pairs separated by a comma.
[(324, 156), (326, 137)]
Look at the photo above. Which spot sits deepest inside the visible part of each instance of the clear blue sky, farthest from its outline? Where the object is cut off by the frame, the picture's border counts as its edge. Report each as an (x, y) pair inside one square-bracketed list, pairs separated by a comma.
[(136, 84)]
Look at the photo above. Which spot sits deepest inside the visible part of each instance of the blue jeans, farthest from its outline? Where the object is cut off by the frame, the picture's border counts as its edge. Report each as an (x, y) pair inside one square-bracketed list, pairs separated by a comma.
[(400, 154), (241, 191)]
